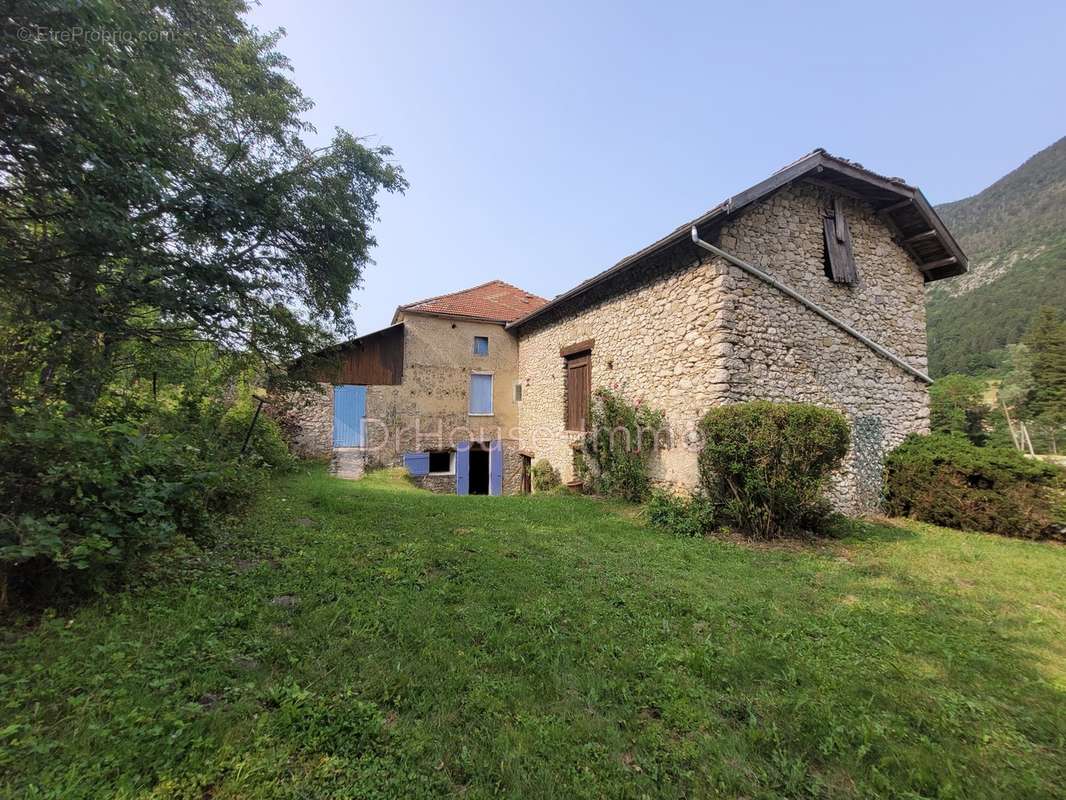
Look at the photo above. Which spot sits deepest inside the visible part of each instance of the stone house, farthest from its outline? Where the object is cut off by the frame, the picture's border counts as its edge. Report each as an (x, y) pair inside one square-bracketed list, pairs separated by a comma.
[(805, 287), (436, 390)]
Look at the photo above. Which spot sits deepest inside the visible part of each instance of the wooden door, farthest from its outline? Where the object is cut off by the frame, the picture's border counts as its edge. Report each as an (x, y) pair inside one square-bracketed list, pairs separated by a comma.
[(578, 391), (527, 476)]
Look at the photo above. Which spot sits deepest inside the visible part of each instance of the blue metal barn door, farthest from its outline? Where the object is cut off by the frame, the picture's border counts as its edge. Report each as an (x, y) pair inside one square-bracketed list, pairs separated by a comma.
[(349, 408), (496, 468), (462, 468)]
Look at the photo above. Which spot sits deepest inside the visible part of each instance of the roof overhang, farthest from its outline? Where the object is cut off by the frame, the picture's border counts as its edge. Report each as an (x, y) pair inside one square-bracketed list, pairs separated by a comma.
[(914, 224), (334, 349), (401, 311)]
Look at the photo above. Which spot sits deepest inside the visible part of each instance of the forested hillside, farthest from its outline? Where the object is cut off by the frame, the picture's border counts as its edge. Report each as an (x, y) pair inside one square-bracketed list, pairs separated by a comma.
[(1015, 235)]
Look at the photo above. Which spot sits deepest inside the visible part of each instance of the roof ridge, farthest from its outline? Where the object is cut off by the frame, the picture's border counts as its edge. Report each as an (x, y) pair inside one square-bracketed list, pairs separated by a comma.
[(449, 294), (495, 300), (408, 306)]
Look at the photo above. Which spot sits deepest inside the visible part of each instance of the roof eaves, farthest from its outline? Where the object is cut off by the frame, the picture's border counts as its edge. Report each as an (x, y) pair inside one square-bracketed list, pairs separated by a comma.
[(814, 161), (455, 315)]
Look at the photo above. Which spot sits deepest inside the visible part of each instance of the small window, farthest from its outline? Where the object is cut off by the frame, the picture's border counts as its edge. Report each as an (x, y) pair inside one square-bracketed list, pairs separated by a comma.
[(481, 394), (518, 392), (481, 345), (441, 462)]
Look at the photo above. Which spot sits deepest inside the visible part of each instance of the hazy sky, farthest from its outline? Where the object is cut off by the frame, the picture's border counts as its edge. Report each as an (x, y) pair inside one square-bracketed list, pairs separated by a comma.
[(543, 142)]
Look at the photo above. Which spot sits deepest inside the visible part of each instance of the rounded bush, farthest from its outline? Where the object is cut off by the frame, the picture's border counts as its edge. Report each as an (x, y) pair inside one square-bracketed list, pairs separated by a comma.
[(946, 480), (765, 465), (544, 476)]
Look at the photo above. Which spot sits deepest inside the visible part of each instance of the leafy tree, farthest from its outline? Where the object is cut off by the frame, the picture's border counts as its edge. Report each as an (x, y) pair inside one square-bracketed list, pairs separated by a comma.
[(957, 406), (156, 188)]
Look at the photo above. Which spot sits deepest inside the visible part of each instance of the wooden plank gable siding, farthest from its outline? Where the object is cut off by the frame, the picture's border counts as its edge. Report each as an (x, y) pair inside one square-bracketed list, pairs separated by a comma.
[(838, 246), (372, 360)]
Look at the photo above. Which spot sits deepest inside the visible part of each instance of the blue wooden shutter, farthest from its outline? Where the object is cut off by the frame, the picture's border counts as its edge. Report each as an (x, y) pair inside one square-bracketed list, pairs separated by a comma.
[(480, 394), (416, 463), (349, 409), (496, 468), (462, 468)]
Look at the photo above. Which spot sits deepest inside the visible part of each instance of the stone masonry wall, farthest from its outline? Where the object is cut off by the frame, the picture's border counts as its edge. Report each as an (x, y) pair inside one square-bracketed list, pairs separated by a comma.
[(780, 351), (684, 335), (656, 340), (306, 420)]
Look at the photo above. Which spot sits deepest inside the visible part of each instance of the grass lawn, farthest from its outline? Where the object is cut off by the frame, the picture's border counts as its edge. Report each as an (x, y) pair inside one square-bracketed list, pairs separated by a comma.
[(372, 640)]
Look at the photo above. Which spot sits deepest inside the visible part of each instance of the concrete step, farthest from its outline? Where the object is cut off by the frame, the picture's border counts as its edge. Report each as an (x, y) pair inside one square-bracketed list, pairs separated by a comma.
[(348, 463)]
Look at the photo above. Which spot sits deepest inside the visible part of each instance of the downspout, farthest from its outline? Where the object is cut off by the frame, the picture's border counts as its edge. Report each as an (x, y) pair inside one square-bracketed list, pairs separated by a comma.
[(884, 352)]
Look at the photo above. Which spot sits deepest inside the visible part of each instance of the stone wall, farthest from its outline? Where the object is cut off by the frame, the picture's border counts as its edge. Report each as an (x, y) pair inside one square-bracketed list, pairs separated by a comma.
[(656, 338), (684, 334), (429, 409), (306, 420), (439, 483), (780, 351)]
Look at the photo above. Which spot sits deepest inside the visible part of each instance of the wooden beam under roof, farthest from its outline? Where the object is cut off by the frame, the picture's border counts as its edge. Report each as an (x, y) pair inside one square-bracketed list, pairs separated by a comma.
[(921, 237)]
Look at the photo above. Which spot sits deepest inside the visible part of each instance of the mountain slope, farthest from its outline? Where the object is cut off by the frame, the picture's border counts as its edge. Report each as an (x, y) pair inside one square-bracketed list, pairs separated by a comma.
[(1015, 235)]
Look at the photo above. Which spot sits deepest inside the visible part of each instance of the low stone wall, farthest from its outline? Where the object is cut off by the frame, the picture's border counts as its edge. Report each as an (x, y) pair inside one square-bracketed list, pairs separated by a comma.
[(441, 484)]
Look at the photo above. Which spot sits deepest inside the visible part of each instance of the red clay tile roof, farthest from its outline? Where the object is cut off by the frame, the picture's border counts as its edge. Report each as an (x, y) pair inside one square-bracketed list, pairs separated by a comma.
[(496, 301)]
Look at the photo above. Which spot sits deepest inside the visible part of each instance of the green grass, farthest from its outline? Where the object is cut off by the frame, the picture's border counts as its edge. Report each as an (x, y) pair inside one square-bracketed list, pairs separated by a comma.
[(547, 647)]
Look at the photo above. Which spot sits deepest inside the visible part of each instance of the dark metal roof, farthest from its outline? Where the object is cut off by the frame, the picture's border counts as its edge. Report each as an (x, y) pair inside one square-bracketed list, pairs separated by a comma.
[(915, 225)]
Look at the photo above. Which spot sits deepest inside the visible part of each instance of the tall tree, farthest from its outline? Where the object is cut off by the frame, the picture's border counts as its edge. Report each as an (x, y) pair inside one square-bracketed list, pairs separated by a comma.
[(155, 186), (1045, 402), (1046, 341), (956, 405)]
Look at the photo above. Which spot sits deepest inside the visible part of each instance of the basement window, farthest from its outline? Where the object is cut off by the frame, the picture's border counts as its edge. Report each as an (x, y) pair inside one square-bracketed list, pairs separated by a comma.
[(441, 462), (839, 259), (481, 345)]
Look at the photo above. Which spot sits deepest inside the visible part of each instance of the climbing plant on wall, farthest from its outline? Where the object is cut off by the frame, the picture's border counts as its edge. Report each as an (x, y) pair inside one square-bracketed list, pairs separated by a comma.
[(616, 450)]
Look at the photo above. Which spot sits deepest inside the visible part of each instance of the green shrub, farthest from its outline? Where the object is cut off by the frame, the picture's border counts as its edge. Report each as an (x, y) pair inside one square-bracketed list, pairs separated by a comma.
[(544, 476), (82, 498), (946, 480), (681, 516), (765, 465), (266, 444), (614, 456)]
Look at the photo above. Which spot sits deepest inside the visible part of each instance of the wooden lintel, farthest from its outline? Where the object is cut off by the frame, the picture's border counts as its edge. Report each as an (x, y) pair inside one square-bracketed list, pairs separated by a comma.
[(921, 237), (577, 347)]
